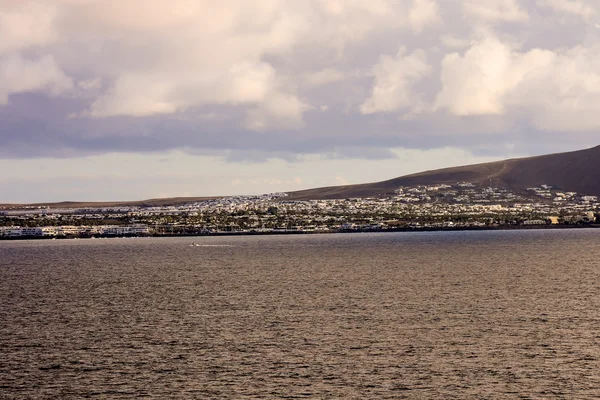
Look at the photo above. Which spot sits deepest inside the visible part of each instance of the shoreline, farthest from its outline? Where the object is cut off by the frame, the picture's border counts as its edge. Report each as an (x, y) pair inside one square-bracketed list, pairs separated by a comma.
[(300, 232)]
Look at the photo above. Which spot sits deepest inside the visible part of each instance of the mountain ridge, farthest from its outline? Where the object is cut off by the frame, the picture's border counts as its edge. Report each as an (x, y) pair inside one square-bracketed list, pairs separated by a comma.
[(569, 171), (158, 202), (576, 171)]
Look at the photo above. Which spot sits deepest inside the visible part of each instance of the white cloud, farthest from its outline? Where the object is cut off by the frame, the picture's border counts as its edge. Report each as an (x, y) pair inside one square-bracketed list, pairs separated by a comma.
[(163, 60), (395, 78), (212, 53), (25, 24), (454, 42), (478, 82), (575, 7), (276, 112), (423, 13), (20, 75), (261, 65), (324, 77), (195, 53), (90, 84), (496, 10), (136, 96), (153, 92), (150, 58), (553, 90), (565, 96)]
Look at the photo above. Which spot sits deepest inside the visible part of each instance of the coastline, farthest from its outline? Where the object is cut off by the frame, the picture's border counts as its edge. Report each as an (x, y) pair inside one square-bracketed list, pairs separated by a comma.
[(301, 232)]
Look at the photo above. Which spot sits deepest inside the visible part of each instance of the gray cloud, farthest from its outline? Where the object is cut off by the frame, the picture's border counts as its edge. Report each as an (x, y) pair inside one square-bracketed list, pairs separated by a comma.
[(340, 79)]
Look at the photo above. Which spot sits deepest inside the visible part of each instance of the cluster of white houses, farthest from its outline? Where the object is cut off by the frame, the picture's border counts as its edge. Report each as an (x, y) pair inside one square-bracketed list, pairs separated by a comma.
[(70, 230), (461, 204)]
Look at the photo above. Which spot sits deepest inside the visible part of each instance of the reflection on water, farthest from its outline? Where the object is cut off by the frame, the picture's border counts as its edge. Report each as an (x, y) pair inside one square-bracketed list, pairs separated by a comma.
[(406, 315)]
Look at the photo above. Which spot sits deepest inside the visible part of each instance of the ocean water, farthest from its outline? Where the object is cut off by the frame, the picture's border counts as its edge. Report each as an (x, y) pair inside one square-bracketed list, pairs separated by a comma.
[(495, 315)]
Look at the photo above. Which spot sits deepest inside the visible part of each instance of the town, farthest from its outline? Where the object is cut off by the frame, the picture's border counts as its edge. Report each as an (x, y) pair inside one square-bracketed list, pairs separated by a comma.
[(461, 205)]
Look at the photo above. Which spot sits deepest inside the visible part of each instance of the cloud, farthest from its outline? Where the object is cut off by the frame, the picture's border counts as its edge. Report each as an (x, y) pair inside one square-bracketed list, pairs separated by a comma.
[(19, 75), (395, 78), (347, 21), (575, 7), (154, 60), (361, 152), (454, 42), (26, 24), (273, 78), (197, 53), (478, 82), (423, 13), (278, 111), (565, 96), (150, 93), (164, 60), (496, 10), (552, 90), (90, 84), (324, 77)]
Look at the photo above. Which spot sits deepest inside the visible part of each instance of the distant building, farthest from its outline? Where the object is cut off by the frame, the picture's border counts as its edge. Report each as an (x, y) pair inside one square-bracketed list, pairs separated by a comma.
[(69, 230), (118, 230), (10, 231), (589, 216), (535, 222)]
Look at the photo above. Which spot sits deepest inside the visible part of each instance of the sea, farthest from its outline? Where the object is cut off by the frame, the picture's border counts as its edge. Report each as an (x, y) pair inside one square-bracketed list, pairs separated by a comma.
[(426, 315)]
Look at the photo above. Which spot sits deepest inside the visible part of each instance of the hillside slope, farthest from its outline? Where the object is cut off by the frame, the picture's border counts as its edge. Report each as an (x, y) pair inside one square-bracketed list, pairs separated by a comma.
[(171, 201), (577, 171)]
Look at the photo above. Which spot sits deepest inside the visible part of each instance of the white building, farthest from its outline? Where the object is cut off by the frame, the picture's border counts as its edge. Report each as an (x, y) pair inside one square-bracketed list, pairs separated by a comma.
[(534, 222), (10, 231), (120, 230), (69, 230), (139, 229)]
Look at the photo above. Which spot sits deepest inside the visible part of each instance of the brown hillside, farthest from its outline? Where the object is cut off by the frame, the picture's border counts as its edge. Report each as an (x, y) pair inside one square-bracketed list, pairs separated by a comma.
[(577, 171), (173, 201)]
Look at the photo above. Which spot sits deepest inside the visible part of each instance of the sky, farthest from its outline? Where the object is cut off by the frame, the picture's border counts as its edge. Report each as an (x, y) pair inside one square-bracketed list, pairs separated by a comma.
[(127, 100)]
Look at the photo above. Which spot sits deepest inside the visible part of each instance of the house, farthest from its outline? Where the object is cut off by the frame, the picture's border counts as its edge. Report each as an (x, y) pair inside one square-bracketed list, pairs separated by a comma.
[(69, 230), (534, 222)]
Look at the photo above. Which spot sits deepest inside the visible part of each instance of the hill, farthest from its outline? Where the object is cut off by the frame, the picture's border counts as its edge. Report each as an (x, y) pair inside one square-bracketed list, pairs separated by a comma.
[(577, 171), (172, 201)]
